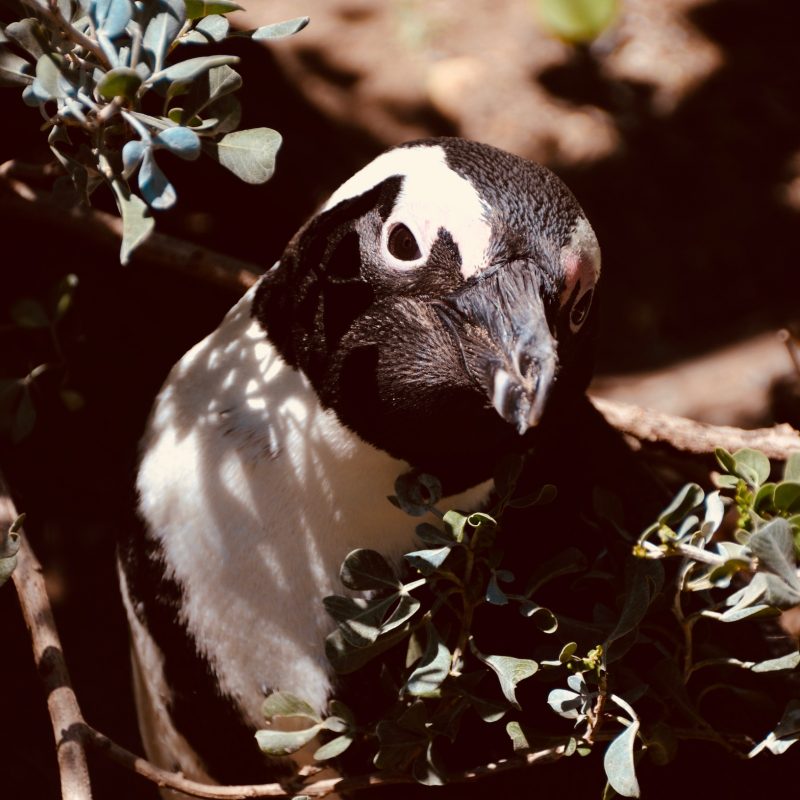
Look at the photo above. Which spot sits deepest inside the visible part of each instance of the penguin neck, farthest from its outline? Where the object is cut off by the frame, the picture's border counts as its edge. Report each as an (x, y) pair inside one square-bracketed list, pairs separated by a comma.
[(255, 494)]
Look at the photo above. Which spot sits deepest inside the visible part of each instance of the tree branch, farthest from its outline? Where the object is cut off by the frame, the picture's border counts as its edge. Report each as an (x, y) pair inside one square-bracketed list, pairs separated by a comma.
[(699, 438), (62, 704)]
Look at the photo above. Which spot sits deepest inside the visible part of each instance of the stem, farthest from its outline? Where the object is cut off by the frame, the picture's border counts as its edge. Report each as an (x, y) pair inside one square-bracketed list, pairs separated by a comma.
[(53, 14)]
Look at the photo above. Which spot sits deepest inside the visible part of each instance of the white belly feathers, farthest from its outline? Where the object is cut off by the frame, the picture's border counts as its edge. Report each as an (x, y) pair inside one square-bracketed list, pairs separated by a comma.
[(256, 494)]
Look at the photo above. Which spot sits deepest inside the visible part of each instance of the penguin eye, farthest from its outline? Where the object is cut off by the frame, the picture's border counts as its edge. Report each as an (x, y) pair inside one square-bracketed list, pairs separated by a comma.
[(580, 310), (402, 244)]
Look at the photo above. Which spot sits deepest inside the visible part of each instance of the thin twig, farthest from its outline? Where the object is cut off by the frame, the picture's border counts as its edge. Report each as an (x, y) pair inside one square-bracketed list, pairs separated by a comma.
[(62, 704), (321, 788)]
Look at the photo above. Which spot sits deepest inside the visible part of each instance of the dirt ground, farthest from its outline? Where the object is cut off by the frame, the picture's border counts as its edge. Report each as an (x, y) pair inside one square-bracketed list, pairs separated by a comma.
[(678, 130)]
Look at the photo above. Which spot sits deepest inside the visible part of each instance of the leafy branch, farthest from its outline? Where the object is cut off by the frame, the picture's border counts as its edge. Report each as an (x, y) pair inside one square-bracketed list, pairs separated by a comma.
[(98, 71), (422, 628)]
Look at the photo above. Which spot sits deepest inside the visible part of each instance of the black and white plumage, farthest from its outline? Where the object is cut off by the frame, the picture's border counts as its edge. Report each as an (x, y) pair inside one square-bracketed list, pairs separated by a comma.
[(429, 315)]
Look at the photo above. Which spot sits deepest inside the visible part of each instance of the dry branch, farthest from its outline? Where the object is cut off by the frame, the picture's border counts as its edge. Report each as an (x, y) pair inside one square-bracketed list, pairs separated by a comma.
[(61, 701), (699, 438)]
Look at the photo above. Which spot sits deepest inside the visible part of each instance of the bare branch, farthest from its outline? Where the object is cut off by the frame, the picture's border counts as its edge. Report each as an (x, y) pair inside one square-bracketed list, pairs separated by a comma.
[(62, 704), (698, 438), (20, 200)]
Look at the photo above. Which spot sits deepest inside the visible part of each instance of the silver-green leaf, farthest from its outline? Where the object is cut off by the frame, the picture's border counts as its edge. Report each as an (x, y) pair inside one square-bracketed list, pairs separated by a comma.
[(619, 764)]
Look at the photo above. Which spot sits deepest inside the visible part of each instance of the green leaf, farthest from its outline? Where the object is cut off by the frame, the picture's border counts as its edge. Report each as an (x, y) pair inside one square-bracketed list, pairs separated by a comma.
[(577, 21), (417, 492), (715, 511), (406, 607), (195, 9), (283, 743), (335, 747), (542, 617), (110, 16), (431, 671), (426, 770), (785, 734), (162, 22), (789, 661), (51, 82), (791, 472), (249, 154), (403, 739), (280, 30), (687, 499), (217, 83), (510, 671), (220, 117), (345, 658), (494, 594), (187, 71), (284, 704), (619, 764), (427, 562), (752, 465), (567, 651), (433, 537), (358, 619), (9, 546), (365, 569), (454, 523), (566, 703), (725, 459), (787, 497), (773, 545), (119, 82), (210, 29), (154, 185), (180, 141), (29, 35), (137, 223)]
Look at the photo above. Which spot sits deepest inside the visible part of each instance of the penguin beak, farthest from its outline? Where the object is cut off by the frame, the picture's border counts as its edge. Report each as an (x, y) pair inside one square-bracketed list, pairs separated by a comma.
[(505, 341), (521, 386)]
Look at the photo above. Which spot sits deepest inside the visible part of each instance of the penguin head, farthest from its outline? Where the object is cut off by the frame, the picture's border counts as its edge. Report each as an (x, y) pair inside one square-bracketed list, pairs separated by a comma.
[(440, 303)]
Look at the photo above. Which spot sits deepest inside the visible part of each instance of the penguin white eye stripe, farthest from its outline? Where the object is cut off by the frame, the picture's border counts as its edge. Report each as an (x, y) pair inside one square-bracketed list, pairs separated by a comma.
[(433, 196)]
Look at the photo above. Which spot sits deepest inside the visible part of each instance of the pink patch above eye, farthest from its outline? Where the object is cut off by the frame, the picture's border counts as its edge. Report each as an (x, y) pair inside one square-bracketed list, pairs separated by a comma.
[(579, 268)]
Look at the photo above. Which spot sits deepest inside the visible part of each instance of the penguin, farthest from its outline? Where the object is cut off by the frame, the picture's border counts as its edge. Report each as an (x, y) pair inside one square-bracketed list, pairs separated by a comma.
[(434, 315)]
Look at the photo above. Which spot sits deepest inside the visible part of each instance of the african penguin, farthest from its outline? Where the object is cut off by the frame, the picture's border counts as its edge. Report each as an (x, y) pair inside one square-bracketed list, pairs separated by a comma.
[(430, 317)]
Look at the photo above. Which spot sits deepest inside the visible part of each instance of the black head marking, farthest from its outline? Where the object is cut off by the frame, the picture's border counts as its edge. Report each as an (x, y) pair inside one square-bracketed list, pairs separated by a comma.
[(442, 345)]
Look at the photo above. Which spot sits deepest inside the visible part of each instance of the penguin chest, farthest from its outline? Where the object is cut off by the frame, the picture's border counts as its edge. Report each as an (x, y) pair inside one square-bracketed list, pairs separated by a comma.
[(255, 494)]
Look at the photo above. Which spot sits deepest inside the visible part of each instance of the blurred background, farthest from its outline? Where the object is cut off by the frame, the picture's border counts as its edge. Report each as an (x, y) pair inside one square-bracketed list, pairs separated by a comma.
[(675, 122)]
